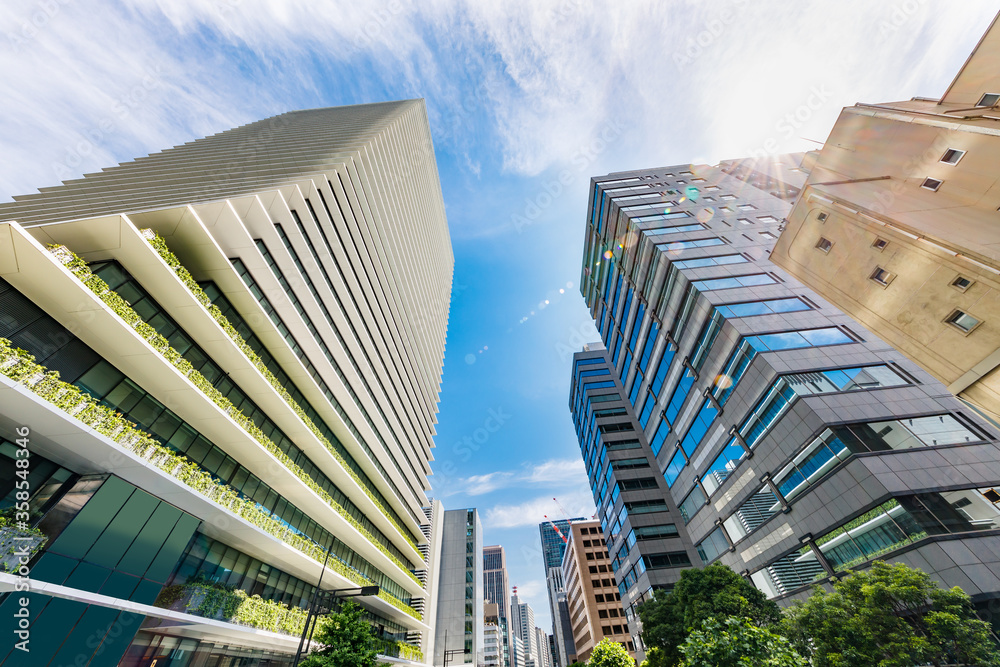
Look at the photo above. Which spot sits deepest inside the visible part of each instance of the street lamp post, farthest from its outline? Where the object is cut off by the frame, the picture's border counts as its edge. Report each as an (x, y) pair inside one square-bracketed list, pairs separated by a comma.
[(320, 597)]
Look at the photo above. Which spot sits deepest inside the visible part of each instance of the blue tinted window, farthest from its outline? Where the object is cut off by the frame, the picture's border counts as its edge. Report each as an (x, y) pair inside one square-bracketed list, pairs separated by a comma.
[(699, 427), (763, 307), (712, 546), (647, 410), (636, 383), (596, 371), (637, 325), (661, 434), (666, 215), (662, 231), (792, 340), (723, 465), (618, 347), (721, 260), (690, 505), (661, 370), (674, 468), (735, 281), (684, 245), (680, 393), (647, 349), (625, 366)]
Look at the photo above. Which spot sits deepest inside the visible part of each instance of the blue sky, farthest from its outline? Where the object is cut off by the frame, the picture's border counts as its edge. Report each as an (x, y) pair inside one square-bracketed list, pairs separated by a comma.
[(521, 96)]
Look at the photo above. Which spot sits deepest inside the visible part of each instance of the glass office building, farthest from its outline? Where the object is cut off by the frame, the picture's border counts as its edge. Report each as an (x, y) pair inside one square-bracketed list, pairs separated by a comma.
[(732, 415)]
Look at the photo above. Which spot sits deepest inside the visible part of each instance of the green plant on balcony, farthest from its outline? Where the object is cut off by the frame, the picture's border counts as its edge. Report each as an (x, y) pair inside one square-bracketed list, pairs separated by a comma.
[(234, 605), (159, 343), (20, 367), (171, 260)]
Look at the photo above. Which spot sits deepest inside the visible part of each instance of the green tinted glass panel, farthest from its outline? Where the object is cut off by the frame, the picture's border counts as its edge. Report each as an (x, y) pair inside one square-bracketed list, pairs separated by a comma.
[(88, 525), (149, 540), (173, 547), (122, 530)]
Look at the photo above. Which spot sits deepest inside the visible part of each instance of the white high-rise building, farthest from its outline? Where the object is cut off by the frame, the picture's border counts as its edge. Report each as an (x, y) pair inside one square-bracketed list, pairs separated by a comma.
[(249, 333), (522, 618)]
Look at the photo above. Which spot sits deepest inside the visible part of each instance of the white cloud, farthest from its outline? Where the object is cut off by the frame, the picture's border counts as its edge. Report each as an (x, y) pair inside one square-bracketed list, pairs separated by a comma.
[(555, 474), (533, 512)]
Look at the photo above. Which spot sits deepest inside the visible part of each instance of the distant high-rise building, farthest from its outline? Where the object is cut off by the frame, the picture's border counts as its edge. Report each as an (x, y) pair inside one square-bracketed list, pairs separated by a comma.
[(542, 642), (595, 609), (732, 408), (494, 636), (496, 588), (896, 226), (460, 605), (562, 631), (553, 535), (522, 618), (248, 332)]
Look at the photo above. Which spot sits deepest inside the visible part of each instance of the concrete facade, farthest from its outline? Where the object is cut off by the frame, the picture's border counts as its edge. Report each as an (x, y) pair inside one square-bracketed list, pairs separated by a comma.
[(896, 226), (496, 589), (459, 621)]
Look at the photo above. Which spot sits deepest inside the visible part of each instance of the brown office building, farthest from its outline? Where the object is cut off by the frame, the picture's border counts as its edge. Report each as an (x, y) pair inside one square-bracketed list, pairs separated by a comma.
[(595, 608)]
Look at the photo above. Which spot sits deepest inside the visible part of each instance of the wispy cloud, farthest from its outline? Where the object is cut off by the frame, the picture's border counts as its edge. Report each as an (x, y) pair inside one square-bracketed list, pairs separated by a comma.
[(554, 474), (533, 512)]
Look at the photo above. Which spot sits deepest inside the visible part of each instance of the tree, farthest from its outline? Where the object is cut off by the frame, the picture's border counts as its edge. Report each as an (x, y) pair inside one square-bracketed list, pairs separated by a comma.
[(347, 639), (610, 654), (737, 643), (890, 616), (712, 592)]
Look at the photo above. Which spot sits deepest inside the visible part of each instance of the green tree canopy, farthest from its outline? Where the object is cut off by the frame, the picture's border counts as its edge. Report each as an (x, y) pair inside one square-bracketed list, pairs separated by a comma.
[(347, 639), (610, 654), (890, 616), (713, 592), (736, 642)]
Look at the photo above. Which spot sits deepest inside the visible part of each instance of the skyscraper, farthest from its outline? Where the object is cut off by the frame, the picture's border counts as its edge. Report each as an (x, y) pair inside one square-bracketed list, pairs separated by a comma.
[(896, 226), (522, 622), (732, 408), (249, 332), (595, 608), (496, 588), (554, 535), (460, 602)]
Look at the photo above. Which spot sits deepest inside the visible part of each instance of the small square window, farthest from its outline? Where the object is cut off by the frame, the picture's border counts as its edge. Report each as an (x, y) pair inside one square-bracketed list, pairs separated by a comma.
[(824, 244), (681, 181), (767, 218), (747, 207), (728, 197), (880, 244), (961, 283), (881, 276), (963, 321), (988, 100), (952, 156), (712, 187), (767, 235), (822, 216), (931, 184), (745, 221)]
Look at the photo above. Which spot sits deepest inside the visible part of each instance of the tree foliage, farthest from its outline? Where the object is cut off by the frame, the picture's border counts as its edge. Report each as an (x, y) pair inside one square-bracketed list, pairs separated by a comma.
[(736, 642), (347, 639), (712, 592), (890, 616), (610, 654)]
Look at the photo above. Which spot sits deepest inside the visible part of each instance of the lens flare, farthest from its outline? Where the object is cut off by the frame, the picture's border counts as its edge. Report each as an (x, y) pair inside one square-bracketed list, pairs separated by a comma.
[(723, 381), (705, 214), (607, 254)]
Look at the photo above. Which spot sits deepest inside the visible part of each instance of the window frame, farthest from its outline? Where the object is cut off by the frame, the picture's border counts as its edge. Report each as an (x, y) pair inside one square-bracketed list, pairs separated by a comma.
[(932, 184), (955, 152)]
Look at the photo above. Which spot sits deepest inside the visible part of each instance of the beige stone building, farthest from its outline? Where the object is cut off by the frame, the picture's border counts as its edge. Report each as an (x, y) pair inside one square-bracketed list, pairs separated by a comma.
[(595, 606), (898, 225)]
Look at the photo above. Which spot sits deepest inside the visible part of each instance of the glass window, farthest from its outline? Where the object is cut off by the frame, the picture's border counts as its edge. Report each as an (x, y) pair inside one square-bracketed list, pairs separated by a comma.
[(699, 427), (677, 246), (771, 306), (712, 546), (720, 260), (809, 465), (733, 282), (680, 393), (659, 437), (797, 569), (735, 368), (963, 321), (662, 231), (724, 464), (674, 468), (644, 507), (654, 532), (692, 503), (793, 340), (661, 369), (757, 509)]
